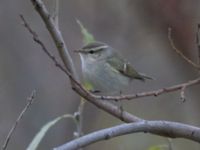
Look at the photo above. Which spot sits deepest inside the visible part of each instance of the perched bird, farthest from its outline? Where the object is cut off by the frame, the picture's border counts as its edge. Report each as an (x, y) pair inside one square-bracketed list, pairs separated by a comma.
[(105, 70)]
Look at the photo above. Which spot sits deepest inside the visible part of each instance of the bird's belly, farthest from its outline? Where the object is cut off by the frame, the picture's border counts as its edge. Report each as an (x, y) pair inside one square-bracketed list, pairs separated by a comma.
[(104, 78)]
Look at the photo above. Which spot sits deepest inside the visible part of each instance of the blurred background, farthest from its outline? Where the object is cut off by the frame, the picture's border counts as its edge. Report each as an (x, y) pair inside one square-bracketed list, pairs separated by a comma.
[(138, 29)]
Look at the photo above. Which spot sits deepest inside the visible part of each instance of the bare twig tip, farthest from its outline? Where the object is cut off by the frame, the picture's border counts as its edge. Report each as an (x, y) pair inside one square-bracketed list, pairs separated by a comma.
[(179, 52), (14, 126)]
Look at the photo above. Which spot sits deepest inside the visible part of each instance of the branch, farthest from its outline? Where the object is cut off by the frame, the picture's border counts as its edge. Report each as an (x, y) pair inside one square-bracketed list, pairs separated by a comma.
[(30, 101), (56, 36), (158, 92), (196, 66), (164, 128)]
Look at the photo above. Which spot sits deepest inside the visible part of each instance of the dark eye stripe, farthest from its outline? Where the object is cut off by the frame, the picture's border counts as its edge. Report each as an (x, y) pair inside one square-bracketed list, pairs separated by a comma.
[(91, 51)]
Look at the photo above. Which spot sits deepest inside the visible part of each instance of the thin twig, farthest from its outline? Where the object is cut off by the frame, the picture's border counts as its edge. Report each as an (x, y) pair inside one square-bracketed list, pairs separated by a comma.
[(196, 66), (30, 101), (151, 93), (164, 128), (78, 115), (198, 42), (37, 40)]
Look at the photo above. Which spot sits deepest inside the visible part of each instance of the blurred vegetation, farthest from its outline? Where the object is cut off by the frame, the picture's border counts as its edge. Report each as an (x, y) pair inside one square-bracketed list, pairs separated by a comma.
[(87, 37)]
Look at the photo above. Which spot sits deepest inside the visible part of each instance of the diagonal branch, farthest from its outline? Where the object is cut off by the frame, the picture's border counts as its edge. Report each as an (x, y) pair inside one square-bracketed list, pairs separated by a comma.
[(56, 36), (166, 128)]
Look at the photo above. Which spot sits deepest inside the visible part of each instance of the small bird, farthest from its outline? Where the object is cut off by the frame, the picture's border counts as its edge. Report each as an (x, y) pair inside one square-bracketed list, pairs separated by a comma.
[(105, 70)]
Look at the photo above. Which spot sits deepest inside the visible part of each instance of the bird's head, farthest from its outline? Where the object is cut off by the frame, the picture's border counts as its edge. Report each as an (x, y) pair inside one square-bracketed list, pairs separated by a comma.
[(95, 51)]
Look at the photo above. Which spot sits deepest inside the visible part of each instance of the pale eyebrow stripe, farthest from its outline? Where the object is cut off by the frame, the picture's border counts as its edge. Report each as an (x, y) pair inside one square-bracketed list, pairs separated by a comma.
[(99, 47)]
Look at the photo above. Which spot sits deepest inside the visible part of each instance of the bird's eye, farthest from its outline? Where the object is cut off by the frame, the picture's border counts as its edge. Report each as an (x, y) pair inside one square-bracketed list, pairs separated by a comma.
[(91, 51)]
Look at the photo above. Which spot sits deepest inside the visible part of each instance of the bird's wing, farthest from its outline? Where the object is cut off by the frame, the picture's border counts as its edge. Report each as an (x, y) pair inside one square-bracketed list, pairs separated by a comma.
[(125, 68)]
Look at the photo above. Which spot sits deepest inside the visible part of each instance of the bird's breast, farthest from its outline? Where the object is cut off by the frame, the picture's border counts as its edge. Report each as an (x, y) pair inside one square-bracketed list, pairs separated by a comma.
[(103, 77)]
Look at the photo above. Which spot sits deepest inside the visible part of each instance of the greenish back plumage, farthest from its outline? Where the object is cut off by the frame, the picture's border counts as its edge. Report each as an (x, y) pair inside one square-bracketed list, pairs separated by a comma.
[(125, 68)]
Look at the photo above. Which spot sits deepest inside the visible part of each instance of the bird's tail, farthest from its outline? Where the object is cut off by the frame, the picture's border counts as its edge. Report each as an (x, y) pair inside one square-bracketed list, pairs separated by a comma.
[(143, 77)]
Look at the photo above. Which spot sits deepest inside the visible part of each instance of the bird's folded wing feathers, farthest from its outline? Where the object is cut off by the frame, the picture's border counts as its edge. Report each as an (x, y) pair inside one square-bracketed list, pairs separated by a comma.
[(125, 68)]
